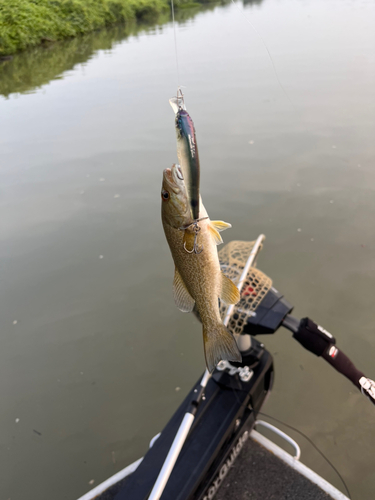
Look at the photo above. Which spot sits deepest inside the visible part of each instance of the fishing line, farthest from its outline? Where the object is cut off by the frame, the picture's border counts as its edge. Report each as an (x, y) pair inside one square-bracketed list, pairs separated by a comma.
[(313, 444), (268, 52), (175, 44)]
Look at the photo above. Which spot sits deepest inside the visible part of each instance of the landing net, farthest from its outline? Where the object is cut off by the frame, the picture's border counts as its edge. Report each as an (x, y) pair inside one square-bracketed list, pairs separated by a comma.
[(233, 257)]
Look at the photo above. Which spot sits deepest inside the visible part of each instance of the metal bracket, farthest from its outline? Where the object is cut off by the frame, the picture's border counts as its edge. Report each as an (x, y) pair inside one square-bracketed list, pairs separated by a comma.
[(244, 372)]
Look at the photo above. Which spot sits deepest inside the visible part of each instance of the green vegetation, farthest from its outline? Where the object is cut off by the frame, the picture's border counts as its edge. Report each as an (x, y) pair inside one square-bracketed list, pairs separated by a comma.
[(37, 66), (27, 23), (31, 69)]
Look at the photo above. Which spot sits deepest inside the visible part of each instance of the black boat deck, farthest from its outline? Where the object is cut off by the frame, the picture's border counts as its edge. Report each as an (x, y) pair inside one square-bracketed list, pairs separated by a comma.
[(257, 474)]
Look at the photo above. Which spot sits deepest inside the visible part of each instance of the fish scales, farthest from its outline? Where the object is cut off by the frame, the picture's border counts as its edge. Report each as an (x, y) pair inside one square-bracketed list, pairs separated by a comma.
[(198, 279), (199, 272)]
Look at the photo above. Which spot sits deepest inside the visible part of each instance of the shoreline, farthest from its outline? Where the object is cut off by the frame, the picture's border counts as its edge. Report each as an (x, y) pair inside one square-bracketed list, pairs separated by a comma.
[(25, 24)]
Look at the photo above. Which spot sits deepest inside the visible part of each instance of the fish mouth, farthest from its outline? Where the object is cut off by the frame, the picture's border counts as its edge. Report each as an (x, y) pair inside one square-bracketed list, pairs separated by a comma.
[(173, 176), (178, 170)]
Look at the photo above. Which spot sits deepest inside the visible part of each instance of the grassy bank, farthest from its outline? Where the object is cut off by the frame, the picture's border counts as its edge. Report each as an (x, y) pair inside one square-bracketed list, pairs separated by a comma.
[(31, 69), (27, 23)]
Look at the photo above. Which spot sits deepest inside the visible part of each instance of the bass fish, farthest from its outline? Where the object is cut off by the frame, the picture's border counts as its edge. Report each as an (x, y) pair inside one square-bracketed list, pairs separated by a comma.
[(187, 151), (198, 279)]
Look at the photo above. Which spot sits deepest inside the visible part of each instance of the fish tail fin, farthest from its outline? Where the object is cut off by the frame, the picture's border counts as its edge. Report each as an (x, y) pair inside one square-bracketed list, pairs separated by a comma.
[(219, 344)]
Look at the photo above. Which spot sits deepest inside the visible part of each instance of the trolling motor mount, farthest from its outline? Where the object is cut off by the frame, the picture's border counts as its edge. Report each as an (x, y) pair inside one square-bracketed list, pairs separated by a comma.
[(244, 372), (223, 422), (250, 359), (262, 310), (269, 314)]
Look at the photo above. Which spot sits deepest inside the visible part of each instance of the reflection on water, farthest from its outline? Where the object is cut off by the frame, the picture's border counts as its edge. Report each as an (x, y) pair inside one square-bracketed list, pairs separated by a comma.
[(31, 69), (92, 347)]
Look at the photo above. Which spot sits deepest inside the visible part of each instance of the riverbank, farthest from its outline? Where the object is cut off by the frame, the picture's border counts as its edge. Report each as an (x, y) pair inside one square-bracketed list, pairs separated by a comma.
[(28, 23)]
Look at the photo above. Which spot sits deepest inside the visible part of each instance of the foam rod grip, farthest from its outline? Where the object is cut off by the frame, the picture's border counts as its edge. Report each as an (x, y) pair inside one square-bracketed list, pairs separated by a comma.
[(342, 364)]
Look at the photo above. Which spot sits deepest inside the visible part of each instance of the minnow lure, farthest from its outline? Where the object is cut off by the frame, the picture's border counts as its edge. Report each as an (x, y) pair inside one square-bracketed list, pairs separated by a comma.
[(187, 152)]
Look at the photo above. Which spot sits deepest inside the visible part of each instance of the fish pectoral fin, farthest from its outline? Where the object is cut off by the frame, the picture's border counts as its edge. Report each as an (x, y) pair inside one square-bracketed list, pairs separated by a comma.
[(229, 291), (216, 226), (220, 225), (183, 300), (215, 235)]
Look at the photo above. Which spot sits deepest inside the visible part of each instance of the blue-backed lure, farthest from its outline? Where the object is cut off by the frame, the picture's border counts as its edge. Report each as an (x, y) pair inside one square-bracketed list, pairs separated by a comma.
[(187, 151)]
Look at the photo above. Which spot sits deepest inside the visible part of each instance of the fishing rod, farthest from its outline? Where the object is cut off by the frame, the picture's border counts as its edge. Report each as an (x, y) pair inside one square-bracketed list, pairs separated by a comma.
[(320, 342), (189, 417)]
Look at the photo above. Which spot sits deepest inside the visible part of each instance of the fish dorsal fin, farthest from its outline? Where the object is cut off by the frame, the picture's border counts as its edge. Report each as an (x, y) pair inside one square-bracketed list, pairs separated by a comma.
[(183, 300), (229, 291), (220, 225)]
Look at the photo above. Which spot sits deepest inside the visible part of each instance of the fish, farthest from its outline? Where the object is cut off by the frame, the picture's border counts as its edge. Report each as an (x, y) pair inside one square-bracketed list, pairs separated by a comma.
[(198, 280), (187, 151)]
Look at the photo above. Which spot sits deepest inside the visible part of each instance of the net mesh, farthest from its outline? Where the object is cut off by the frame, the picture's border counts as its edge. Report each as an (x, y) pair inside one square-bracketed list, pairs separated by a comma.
[(233, 258)]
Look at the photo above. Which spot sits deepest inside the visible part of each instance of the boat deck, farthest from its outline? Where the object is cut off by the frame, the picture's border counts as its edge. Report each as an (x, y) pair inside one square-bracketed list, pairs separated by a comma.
[(259, 474)]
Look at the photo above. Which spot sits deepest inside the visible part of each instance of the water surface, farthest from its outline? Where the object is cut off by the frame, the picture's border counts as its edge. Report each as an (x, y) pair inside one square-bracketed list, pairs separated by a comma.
[(92, 347)]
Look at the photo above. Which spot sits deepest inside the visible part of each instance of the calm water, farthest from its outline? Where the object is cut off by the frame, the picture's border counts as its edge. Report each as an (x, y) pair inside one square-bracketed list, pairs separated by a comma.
[(92, 346)]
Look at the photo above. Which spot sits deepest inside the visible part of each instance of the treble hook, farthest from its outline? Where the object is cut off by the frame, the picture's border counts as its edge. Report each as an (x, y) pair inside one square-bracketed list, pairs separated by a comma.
[(196, 229), (195, 249)]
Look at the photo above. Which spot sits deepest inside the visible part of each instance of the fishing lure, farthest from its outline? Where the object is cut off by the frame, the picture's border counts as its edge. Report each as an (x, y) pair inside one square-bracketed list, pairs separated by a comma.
[(187, 151)]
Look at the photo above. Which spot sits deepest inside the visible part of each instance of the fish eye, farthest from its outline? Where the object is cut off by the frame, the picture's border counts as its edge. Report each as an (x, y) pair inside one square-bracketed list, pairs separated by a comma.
[(165, 195)]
